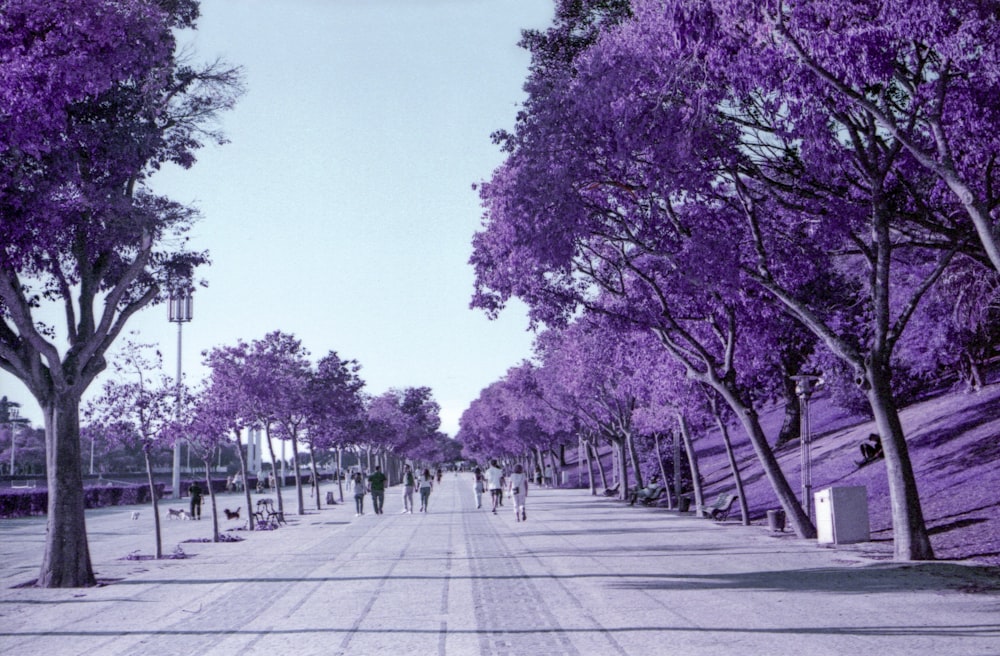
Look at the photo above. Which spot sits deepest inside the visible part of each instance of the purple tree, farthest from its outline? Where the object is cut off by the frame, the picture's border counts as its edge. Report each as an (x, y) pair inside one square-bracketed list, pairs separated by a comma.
[(271, 374), (928, 78), (597, 206), (336, 407), (94, 101), (224, 395), (830, 204), (403, 422)]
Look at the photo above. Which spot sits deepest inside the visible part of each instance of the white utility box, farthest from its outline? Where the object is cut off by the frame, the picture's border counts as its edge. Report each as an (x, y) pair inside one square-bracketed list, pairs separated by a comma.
[(842, 515)]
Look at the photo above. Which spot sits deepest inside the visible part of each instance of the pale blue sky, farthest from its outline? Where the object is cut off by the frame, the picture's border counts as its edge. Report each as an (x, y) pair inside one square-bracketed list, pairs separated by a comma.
[(342, 210)]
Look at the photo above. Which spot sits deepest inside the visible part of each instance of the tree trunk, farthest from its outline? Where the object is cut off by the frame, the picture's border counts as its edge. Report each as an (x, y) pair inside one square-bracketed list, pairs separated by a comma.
[(634, 457), (793, 413), (340, 474), (622, 470), (315, 474), (734, 467), (600, 466), (678, 485), (274, 469), (590, 467), (699, 498), (246, 482), (663, 471), (797, 517), (156, 503), (910, 538), (301, 510), (211, 494), (66, 557)]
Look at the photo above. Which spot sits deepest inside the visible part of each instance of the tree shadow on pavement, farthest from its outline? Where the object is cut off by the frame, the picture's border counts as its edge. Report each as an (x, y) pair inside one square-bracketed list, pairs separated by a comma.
[(878, 578)]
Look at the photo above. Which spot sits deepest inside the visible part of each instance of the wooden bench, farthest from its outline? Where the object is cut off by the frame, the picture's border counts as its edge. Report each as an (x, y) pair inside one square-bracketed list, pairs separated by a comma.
[(719, 511), (24, 483)]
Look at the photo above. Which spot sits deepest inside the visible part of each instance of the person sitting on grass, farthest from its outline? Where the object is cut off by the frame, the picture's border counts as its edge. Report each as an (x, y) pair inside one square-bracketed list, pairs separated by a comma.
[(871, 449)]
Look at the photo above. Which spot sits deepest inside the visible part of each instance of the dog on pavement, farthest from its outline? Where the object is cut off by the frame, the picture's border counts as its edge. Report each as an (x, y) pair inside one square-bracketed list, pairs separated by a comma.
[(232, 514), (177, 513)]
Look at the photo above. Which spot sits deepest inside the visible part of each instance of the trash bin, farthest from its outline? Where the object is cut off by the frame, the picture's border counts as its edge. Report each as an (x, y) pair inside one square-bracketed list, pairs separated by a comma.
[(776, 520), (329, 499), (683, 503), (842, 515)]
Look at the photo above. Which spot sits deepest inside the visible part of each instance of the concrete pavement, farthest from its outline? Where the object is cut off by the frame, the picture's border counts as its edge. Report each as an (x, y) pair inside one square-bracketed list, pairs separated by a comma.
[(584, 575)]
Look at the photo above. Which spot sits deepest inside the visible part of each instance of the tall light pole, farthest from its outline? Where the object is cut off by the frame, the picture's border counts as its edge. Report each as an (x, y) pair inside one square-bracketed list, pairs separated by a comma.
[(9, 415), (181, 311), (805, 385)]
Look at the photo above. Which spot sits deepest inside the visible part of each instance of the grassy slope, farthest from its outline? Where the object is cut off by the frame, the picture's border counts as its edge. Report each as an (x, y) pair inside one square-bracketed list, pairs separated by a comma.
[(954, 442)]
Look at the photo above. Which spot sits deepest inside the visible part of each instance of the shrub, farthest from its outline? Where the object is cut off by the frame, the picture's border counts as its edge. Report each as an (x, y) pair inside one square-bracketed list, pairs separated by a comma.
[(27, 502)]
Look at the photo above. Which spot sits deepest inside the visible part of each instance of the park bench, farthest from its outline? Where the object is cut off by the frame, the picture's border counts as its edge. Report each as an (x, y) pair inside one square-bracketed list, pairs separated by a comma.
[(611, 491), (719, 511), (647, 496), (24, 483), (266, 515)]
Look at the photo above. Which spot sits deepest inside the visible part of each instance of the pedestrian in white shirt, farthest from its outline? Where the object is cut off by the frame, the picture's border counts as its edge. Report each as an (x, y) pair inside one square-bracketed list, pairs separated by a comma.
[(494, 483), (519, 490)]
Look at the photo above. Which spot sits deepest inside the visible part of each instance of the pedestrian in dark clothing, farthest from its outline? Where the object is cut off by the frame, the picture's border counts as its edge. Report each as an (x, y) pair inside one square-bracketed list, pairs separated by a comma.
[(195, 492), (376, 483)]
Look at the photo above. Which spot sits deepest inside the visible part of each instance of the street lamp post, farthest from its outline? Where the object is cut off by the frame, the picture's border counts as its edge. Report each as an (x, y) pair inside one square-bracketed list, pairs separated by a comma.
[(181, 311), (9, 415), (805, 385)]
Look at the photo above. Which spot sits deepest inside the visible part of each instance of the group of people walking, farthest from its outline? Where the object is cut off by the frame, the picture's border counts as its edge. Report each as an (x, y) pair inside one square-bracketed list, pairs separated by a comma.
[(375, 484), (495, 480)]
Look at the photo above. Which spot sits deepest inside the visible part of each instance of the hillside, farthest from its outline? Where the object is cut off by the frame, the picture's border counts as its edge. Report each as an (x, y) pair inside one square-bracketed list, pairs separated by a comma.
[(954, 444)]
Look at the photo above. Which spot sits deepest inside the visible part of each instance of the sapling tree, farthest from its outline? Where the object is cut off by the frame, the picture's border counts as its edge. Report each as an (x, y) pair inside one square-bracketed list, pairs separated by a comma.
[(94, 100), (136, 409), (205, 429)]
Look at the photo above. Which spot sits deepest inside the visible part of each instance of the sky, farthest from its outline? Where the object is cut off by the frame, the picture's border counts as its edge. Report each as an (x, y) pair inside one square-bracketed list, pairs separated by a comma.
[(342, 209)]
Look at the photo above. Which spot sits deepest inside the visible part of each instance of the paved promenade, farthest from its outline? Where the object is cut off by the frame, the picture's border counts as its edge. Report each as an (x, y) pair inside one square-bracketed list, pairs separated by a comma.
[(583, 575)]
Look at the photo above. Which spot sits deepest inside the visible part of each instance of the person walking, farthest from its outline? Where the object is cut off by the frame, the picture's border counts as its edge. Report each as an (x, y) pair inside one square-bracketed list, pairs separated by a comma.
[(376, 484), (549, 474), (426, 484), (494, 483), (408, 484), (359, 495), (519, 491), (195, 492), (479, 486)]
